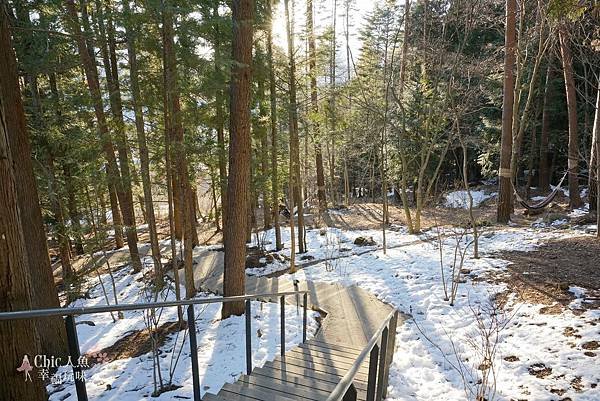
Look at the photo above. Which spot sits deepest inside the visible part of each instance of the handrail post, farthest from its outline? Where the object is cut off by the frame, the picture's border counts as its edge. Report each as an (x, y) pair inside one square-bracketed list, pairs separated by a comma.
[(282, 324), (304, 317), (391, 347), (248, 339), (74, 352), (372, 379), (194, 352), (382, 362)]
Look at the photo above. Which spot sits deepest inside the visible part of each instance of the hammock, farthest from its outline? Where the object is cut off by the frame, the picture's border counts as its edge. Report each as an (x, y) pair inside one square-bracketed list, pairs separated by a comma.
[(544, 202)]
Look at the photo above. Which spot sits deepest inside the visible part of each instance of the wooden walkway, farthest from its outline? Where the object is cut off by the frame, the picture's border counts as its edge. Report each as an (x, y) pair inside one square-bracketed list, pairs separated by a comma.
[(311, 370)]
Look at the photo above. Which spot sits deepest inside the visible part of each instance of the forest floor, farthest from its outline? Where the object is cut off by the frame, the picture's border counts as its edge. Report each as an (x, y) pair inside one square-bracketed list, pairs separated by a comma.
[(525, 318)]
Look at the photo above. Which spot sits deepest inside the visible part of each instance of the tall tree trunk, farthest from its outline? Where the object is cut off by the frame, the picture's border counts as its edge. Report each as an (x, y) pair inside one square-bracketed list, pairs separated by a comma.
[(294, 140), (595, 158), (264, 156), (113, 173), (544, 172), (18, 337), (117, 220), (182, 197), (505, 176), (74, 214), (142, 144), (531, 92), (116, 105), (42, 292), (573, 158), (332, 115), (240, 148), (62, 235), (220, 122), (273, 120), (314, 102)]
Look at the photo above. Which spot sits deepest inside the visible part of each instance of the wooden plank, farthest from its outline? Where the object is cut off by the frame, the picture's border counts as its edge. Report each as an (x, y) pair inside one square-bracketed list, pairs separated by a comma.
[(319, 367), (258, 393), (340, 363), (337, 346), (319, 348), (225, 396), (299, 380), (323, 353), (286, 388), (311, 374)]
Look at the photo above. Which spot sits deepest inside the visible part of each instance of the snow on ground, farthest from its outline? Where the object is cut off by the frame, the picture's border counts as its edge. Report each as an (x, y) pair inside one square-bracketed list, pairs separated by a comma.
[(438, 349), (460, 199), (221, 344)]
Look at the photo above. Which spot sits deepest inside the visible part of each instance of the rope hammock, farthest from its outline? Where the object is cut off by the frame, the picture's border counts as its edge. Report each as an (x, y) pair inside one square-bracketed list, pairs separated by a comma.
[(544, 202)]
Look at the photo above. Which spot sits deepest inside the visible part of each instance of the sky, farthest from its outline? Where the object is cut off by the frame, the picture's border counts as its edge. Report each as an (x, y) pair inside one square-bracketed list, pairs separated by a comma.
[(323, 15)]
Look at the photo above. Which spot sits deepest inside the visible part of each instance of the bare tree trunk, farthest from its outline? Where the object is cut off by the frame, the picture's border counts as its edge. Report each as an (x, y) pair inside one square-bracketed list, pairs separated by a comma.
[(264, 158), (314, 102), (116, 106), (117, 221), (74, 215), (544, 173), (220, 121), (61, 229), (239, 156), (520, 133), (294, 141), (399, 97), (505, 176), (532, 153), (21, 258), (181, 196), (143, 146), (113, 174), (573, 162), (273, 120)]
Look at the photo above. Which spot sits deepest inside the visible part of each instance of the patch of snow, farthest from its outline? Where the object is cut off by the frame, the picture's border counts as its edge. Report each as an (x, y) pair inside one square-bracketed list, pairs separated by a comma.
[(437, 347), (460, 199), (221, 344)]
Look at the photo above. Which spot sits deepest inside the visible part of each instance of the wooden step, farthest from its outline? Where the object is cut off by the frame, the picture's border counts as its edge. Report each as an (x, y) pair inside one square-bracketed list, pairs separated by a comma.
[(286, 388), (317, 367), (337, 346), (257, 393), (309, 374), (313, 347), (329, 360), (299, 380)]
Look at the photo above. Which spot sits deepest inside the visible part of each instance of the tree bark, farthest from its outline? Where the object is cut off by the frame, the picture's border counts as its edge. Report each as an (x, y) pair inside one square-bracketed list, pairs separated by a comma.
[(43, 291), (113, 173), (61, 229), (273, 120), (544, 172), (116, 106), (505, 176), (573, 158), (238, 183), (130, 33), (294, 140), (182, 196), (314, 101), (220, 122), (19, 337)]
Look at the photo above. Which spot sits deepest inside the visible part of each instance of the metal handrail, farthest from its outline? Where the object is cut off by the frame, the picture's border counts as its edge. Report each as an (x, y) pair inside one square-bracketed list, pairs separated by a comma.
[(34, 313), (341, 389), (73, 341)]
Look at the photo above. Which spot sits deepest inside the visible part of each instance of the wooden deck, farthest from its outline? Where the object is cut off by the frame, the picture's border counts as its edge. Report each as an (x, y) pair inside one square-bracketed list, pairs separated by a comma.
[(311, 370)]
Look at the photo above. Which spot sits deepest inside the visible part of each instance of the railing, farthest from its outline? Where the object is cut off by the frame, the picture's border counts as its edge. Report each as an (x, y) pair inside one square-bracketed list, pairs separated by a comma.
[(73, 342), (381, 341)]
